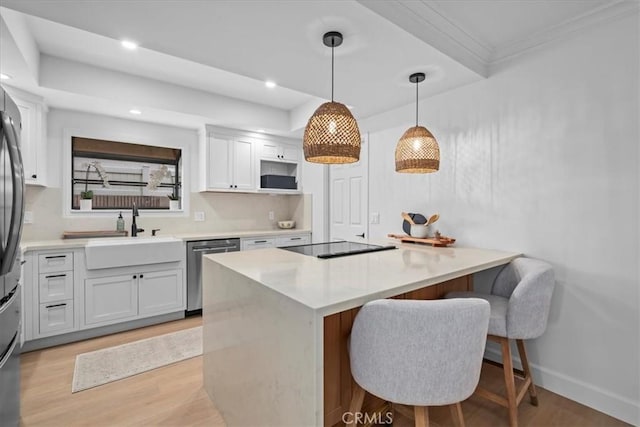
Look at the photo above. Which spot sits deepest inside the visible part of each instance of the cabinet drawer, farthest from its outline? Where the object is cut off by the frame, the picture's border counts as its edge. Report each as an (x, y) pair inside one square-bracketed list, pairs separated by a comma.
[(292, 240), (55, 317), (55, 286), (48, 263), (250, 244)]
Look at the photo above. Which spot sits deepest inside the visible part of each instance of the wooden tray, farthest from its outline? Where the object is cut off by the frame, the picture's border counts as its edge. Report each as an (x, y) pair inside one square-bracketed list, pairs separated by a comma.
[(94, 233), (441, 242)]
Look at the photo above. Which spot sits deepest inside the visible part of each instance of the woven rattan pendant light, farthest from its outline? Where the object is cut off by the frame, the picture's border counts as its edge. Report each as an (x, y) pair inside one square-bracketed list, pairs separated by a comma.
[(332, 134), (417, 151)]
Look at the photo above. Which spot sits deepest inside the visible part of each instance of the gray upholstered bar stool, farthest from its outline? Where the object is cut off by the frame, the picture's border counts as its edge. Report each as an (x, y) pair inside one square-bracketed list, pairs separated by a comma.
[(419, 353), (520, 300)]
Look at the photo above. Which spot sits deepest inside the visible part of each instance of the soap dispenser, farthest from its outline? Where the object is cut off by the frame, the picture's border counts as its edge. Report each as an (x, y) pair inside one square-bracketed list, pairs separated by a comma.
[(120, 223)]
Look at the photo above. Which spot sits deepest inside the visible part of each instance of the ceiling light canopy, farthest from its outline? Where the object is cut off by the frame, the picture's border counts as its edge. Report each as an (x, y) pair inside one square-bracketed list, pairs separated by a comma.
[(128, 44), (332, 134), (417, 151), (135, 112), (270, 84)]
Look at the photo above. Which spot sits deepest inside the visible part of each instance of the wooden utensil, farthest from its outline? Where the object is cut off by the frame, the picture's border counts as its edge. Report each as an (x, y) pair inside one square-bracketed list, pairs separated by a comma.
[(433, 218), (407, 218)]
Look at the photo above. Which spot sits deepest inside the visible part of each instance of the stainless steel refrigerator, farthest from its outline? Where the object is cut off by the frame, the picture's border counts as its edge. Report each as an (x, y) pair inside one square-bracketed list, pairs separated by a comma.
[(11, 211)]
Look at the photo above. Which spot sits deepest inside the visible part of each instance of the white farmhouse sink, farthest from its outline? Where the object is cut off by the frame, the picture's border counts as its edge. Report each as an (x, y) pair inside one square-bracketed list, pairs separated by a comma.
[(129, 251)]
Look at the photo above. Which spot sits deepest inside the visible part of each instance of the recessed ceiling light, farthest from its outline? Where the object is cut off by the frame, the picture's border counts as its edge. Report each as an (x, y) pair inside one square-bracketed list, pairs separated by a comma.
[(261, 130), (128, 44), (136, 112), (4, 77), (270, 84)]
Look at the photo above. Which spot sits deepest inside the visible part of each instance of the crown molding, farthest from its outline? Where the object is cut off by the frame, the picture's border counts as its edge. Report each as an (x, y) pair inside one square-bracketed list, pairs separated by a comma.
[(597, 16), (427, 24)]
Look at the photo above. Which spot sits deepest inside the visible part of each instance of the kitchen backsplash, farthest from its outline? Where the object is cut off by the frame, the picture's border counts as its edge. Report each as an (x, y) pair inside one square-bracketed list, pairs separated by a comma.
[(223, 212)]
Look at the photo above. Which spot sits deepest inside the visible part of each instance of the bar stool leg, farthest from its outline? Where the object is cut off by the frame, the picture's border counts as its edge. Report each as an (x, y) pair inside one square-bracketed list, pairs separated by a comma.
[(456, 414), (357, 398), (533, 394), (422, 416), (509, 382)]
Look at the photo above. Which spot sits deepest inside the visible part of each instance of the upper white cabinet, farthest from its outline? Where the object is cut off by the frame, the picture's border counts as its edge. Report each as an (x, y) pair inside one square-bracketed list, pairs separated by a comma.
[(235, 160), (280, 152), (230, 164), (33, 135)]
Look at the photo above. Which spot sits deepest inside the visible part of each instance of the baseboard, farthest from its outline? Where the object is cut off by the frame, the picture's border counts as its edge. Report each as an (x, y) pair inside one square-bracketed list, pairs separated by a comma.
[(594, 397), (86, 334)]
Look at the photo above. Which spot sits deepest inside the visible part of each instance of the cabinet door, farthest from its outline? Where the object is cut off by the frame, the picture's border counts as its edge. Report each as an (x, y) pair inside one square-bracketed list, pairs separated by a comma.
[(108, 299), (28, 140), (243, 165), (291, 153), (160, 292), (270, 150), (219, 164)]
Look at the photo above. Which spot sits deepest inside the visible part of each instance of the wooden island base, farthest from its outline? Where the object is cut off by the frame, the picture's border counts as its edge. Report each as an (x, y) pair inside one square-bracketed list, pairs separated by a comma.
[(338, 383)]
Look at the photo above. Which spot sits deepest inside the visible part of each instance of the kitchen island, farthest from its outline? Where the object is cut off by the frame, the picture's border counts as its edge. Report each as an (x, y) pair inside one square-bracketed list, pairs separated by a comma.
[(276, 323)]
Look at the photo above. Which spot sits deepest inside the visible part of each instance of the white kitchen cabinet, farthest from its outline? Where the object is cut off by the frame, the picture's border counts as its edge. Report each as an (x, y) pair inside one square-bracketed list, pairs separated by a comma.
[(113, 299), (49, 301), (64, 301), (230, 165), (32, 136), (52, 262), (109, 299), (248, 244), (55, 286), (302, 239), (280, 152), (160, 291), (56, 317)]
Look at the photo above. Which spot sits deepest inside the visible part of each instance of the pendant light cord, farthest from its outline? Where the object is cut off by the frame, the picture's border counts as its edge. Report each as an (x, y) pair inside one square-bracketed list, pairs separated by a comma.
[(333, 42), (416, 104)]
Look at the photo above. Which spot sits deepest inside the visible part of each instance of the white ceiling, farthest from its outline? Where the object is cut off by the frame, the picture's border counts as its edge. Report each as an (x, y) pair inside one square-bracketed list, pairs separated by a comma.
[(227, 49)]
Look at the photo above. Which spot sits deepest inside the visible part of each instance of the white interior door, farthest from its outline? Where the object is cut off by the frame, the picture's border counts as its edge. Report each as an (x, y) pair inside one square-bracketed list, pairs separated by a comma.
[(349, 198)]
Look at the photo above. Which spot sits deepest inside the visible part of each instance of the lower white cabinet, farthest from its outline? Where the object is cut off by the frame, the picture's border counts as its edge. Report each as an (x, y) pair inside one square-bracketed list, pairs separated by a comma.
[(63, 297), (55, 286), (56, 317), (250, 243), (110, 298), (117, 298), (302, 239), (257, 243), (160, 291)]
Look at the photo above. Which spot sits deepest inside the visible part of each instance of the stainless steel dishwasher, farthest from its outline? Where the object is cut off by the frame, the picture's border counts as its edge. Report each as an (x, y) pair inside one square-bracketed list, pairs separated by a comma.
[(195, 250)]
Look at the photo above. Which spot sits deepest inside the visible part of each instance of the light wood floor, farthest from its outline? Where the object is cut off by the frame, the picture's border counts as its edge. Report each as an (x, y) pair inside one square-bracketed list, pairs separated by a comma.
[(173, 395)]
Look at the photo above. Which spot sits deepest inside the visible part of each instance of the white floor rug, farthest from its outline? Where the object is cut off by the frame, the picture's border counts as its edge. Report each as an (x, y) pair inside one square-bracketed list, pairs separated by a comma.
[(114, 363)]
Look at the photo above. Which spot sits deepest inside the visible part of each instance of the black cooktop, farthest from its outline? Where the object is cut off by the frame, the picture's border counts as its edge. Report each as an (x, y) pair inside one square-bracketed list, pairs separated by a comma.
[(336, 249)]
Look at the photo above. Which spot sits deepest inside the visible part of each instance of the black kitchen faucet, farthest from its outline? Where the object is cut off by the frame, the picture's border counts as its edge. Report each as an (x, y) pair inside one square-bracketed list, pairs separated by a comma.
[(134, 227)]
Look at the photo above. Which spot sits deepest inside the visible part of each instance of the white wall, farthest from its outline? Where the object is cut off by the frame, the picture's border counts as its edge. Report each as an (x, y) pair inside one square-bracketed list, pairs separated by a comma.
[(314, 183), (542, 158), (223, 211)]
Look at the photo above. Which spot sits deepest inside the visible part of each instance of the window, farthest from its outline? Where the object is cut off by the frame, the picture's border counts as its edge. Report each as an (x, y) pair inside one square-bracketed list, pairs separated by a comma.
[(115, 175)]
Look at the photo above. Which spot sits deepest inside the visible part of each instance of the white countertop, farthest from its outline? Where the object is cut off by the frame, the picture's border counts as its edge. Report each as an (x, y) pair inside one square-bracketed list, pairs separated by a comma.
[(33, 245), (333, 285)]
